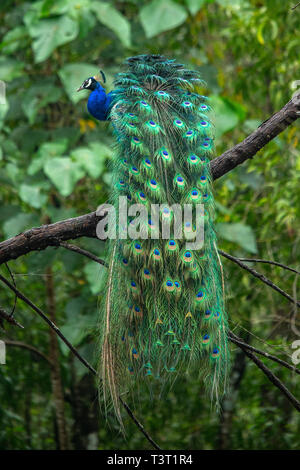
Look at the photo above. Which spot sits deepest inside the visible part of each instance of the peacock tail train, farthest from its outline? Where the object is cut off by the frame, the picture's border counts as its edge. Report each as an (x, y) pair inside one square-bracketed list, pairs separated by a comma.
[(163, 311)]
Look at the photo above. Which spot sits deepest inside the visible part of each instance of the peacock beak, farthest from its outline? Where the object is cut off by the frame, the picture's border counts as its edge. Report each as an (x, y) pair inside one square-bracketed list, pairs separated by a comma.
[(80, 88)]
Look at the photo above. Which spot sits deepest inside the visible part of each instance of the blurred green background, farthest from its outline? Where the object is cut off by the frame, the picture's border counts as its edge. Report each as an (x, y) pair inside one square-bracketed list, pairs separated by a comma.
[(54, 165)]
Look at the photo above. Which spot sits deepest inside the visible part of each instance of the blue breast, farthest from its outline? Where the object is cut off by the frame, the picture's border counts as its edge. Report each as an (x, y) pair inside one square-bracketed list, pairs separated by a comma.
[(98, 103)]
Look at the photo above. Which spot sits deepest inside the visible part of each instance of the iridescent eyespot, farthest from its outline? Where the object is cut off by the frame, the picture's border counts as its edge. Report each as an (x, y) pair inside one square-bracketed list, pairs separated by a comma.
[(147, 274), (125, 261), (203, 123), (177, 286), (205, 339), (194, 194), (193, 159), (215, 353), (203, 106), (187, 104), (187, 257), (172, 245), (200, 296), (142, 196), (169, 285), (207, 314), (153, 184), (179, 181), (138, 248), (164, 154), (166, 213), (178, 123), (134, 170), (156, 254)]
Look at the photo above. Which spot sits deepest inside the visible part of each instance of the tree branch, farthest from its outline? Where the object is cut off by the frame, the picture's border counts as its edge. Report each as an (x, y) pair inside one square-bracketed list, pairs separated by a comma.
[(9, 318), (272, 377), (266, 261), (260, 276), (239, 342), (257, 140), (40, 238), (20, 344)]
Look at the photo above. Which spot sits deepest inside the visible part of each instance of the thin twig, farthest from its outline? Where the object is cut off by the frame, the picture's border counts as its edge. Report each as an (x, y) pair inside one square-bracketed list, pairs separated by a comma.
[(238, 341), (260, 276), (73, 350), (272, 377), (266, 261), (20, 344), (294, 7), (9, 318), (83, 252), (139, 425)]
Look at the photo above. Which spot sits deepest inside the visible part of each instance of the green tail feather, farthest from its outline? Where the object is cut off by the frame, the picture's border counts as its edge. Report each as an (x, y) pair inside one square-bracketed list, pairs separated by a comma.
[(164, 310)]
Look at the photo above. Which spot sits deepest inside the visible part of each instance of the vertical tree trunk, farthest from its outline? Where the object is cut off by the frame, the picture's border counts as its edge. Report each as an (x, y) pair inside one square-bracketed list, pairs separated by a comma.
[(56, 381)]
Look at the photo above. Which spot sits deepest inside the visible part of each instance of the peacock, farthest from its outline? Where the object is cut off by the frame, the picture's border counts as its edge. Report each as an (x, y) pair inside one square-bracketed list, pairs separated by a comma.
[(163, 313)]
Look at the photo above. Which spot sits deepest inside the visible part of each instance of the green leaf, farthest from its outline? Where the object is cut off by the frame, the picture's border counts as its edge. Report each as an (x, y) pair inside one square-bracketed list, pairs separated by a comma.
[(32, 195), (91, 158), (159, 16), (19, 223), (47, 151), (195, 5), (37, 97), (239, 233), (112, 18), (14, 40), (51, 33), (72, 76), (94, 272), (64, 174), (227, 114), (10, 69)]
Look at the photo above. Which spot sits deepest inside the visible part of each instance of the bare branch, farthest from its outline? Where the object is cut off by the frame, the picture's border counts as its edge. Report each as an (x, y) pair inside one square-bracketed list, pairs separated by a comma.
[(9, 318), (260, 276), (294, 7), (83, 252), (272, 377), (20, 344), (239, 342), (266, 261), (257, 140)]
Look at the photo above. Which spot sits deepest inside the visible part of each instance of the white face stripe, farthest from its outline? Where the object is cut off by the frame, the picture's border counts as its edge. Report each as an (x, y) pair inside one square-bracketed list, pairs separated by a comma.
[(89, 83)]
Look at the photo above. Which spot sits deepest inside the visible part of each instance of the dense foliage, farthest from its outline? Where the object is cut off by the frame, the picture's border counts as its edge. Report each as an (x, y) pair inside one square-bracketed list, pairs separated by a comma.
[(54, 164)]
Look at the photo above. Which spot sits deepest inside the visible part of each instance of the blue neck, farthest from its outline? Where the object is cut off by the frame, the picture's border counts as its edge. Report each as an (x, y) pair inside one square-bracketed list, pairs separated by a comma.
[(98, 103)]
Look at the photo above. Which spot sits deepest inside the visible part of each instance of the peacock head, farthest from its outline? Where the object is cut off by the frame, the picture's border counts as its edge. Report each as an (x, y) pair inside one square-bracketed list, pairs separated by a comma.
[(91, 83), (88, 84)]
